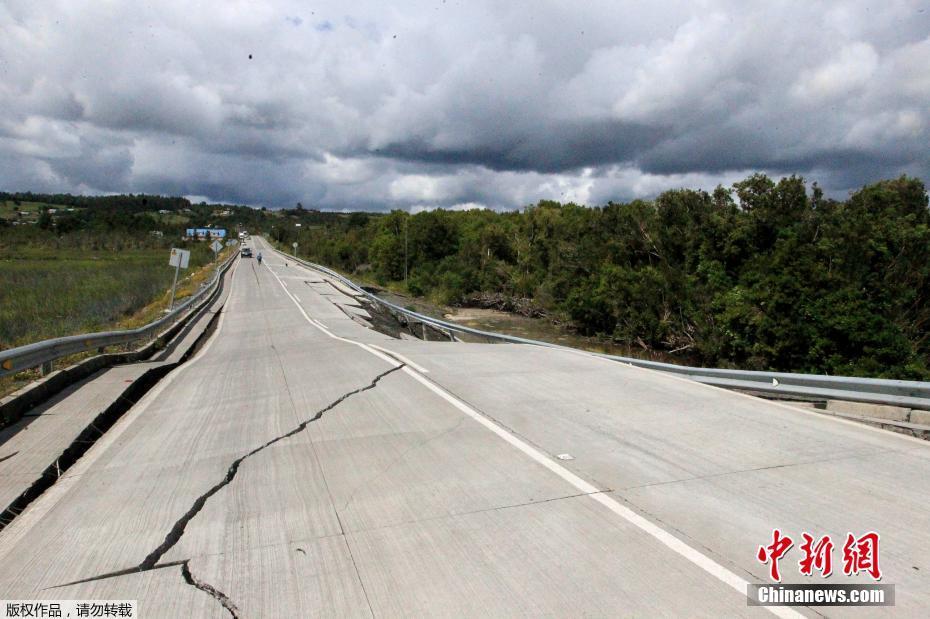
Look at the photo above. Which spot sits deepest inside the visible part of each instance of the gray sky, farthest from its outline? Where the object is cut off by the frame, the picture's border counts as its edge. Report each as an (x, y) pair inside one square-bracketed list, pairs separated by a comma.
[(375, 105)]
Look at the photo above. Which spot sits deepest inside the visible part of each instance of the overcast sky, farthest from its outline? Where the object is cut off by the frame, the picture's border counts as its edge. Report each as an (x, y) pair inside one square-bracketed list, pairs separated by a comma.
[(379, 105)]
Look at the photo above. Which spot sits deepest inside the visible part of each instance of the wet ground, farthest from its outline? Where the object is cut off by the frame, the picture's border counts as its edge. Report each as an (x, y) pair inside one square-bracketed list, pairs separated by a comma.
[(543, 330), (520, 326)]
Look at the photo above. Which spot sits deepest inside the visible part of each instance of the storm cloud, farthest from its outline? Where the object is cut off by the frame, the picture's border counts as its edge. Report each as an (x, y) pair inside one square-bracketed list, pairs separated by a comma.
[(370, 105)]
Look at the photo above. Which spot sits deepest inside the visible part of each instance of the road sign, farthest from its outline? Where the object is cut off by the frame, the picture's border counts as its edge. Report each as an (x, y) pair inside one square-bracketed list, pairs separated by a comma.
[(294, 244), (216, 246), (179, 258)]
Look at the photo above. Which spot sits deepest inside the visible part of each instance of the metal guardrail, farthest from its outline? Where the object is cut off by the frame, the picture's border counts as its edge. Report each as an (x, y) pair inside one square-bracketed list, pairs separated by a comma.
[(903, 393), (41, 354)]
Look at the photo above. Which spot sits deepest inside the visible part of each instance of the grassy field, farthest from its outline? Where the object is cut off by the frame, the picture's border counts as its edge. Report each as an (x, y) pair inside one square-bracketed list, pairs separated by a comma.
[(48, 293)]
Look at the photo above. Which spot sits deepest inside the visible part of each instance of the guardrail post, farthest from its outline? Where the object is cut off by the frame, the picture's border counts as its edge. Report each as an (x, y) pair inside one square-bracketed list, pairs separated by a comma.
[(46, 368)]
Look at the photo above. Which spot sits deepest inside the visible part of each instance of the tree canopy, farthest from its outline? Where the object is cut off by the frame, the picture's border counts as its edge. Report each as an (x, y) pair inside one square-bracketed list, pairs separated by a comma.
[(763, 275)]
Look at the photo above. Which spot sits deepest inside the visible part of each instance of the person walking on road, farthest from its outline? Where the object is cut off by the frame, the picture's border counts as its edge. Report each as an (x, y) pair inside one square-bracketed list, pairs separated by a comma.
[(259, 257)]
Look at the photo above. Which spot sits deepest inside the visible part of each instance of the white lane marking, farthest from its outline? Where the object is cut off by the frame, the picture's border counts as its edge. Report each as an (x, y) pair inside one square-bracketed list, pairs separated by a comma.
[(321, 327), (595, 494), (417, 366), (667, 539), (38, 508)]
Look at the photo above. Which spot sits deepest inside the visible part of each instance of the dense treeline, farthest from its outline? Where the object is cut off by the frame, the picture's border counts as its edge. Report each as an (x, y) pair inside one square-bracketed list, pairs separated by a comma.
[(763, 275), (129, 203), (116, 221)]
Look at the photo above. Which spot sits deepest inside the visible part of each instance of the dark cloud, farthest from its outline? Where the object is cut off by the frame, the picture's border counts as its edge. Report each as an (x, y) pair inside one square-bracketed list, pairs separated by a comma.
[(458, 104), (552, 148), (106, 167), (713, 152)]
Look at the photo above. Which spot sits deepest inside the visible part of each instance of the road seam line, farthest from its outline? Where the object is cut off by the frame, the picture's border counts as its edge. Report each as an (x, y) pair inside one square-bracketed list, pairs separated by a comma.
[(401, 358), (670, 541)]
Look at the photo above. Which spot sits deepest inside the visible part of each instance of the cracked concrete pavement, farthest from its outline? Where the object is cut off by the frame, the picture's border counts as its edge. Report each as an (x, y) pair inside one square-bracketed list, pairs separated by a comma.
[(402, 500), (152, 560)]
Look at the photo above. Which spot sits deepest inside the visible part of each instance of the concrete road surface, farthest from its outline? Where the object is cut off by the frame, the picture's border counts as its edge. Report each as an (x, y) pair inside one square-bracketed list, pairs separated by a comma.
[(305, 465)]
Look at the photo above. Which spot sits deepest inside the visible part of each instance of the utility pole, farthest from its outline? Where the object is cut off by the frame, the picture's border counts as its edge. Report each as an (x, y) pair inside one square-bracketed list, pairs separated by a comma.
[(406, 219), (177, 267), (179, 259)]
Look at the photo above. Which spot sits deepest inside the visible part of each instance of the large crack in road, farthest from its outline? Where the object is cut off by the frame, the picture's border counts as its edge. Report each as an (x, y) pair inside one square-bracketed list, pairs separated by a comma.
[(209, 589), (151, 561), (177, 531)]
